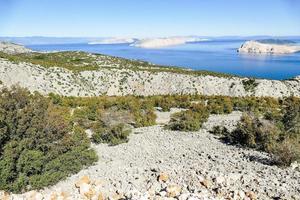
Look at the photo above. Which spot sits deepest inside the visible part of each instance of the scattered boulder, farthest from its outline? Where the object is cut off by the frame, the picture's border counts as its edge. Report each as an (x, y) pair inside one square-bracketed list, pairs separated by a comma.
[(4, 195), (163, 177), (251, 195), (83, 180), (173, 191), (87, 190)]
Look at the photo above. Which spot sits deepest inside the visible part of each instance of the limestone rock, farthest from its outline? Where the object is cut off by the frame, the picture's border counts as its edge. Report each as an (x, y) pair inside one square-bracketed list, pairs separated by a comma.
[(86, 190), (173, 191), (251, 195), (163, 177), (83, 180), (4, 195)]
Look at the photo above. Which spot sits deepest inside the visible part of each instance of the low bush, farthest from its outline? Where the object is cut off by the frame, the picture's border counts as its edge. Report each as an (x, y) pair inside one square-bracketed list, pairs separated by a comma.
[(249, 85), (190, 120), (266, 135), (287, 151), (220, 105), (291, 117), (255, 133), (114, 135), (219, 131)]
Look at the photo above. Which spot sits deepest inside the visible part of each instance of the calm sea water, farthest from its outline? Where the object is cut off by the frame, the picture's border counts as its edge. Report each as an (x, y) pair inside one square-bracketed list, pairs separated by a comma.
[(217, 56)]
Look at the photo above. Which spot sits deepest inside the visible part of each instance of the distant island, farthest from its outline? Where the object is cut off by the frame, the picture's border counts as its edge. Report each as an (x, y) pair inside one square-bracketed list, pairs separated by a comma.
[(269, 46), (165, 42)]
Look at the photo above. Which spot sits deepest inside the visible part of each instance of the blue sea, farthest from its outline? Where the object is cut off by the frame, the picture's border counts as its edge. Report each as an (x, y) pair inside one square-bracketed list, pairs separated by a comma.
[(217, 56)]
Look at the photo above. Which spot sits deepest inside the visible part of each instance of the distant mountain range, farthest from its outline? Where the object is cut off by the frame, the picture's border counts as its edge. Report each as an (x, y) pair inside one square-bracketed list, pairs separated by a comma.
[(36, 40), (39, 40)]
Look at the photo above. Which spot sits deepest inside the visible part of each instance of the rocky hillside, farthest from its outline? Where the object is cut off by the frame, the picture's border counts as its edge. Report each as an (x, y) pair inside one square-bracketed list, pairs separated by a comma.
[(169, 165), (83, 74), (262, 47), (11, 48)]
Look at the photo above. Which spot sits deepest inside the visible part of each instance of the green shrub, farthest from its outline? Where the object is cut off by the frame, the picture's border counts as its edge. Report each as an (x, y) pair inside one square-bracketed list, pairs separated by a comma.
[(38, 147), (144, 118), (190, 120), (219, 131), (291, 118), (220, 105), (255, 133), (287, 151), (115, 135), (249, 85)]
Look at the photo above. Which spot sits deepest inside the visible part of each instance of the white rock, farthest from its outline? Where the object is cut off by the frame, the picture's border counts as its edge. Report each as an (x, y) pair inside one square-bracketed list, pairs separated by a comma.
[(265, 48), (295, 165)]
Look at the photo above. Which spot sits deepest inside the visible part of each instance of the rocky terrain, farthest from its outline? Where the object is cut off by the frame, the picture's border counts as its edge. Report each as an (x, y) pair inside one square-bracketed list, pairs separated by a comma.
[(161, 164), (257, 47), (115, 76), (157, 163), (11, 48)]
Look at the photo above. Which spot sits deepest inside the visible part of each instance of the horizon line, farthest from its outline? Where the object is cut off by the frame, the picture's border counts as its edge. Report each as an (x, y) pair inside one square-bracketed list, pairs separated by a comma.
[(191, 35)]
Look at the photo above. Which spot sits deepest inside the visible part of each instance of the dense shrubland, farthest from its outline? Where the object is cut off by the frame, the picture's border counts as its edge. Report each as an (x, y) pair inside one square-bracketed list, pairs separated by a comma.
[(38, 146), (43, 139)]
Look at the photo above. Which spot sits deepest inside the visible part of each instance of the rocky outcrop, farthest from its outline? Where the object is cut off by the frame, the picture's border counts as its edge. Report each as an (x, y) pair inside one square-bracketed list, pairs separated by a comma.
[(257, 47), (11, 48)]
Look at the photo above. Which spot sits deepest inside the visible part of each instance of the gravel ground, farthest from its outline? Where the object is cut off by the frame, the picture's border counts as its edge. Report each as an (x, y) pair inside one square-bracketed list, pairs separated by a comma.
[(161, 164), (189, 159)]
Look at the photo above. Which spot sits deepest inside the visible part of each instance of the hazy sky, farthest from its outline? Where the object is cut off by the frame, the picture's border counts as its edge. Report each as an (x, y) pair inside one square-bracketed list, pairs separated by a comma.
[(149, 18)]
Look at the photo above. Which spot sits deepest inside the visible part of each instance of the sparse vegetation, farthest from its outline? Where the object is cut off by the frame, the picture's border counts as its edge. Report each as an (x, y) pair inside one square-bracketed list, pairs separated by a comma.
[(275, 131), (249, 84), (35, 154), (82, 61), (255, 133)]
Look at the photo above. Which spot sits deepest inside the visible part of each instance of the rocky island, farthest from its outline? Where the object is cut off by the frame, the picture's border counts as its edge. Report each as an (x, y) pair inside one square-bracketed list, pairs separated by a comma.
[(269, 47), (154, 43)]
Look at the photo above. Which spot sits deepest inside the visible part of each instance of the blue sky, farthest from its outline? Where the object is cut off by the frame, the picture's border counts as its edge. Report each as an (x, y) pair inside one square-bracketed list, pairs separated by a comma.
[(149, 18)]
